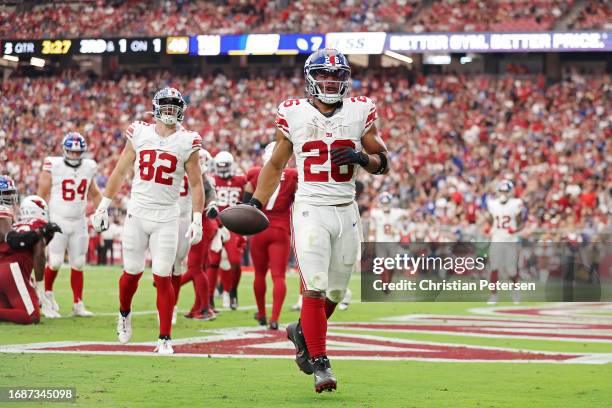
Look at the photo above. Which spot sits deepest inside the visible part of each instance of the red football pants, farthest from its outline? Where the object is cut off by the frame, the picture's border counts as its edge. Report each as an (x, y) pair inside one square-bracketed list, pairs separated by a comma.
[(270, 250)]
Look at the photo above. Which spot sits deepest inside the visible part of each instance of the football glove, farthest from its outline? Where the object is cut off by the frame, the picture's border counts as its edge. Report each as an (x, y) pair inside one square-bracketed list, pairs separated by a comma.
[(342, 156), (212, 210), (99, 219), (194, 232)]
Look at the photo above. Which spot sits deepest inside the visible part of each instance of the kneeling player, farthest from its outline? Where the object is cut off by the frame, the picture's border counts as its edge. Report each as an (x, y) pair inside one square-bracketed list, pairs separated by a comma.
[(19, 302)]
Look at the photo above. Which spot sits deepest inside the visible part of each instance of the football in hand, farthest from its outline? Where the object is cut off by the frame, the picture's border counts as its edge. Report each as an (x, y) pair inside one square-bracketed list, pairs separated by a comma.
[(244, 219)]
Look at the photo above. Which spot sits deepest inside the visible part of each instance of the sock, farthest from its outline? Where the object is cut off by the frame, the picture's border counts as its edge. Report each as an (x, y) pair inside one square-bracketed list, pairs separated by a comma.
[(200, 282), (50, 276), (165, 303), (279, 291), (176, 285), (186, 277), (259, 288), (494, 279), (226, 279), (329, 308), (314, 325), (76, 282), (213, 275), (128, 284), (236, 274)]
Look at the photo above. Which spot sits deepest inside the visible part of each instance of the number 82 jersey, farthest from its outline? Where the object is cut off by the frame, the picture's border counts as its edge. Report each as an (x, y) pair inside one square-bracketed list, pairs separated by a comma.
[(159, 170), (314, 135)]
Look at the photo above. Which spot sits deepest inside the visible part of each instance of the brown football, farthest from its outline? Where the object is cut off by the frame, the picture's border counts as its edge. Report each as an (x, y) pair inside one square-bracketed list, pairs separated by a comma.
[(244, 219)]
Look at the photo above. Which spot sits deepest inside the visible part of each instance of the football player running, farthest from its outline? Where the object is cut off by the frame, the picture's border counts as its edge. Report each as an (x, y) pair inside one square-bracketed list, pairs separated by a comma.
[(229, 188), (66, 183), (332, 136), (160, 154), (197, 257), (505, 217)]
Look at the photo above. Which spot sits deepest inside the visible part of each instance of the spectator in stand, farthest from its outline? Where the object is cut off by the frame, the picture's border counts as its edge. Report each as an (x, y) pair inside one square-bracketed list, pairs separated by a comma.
[(451, 138)]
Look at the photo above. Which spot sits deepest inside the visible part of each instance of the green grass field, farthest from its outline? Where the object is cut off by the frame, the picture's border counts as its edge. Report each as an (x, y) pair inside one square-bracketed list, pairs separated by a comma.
[(152, 381)]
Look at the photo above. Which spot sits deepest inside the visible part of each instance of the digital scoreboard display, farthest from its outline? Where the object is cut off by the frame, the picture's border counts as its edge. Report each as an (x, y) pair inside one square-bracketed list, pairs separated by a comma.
[(84, 46)]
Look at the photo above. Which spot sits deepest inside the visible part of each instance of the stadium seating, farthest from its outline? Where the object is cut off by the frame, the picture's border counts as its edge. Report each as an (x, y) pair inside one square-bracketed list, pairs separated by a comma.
[(153, 18), (450, 137), (596, 15)]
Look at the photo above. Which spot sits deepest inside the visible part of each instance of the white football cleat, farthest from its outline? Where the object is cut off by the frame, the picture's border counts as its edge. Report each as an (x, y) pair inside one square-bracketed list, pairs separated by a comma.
[(78, 309), (343, 306), (51, 299), (226, 300), (48, 311), (174, 313), (164, 347), (298, 306), (124, 328), (492, 300)]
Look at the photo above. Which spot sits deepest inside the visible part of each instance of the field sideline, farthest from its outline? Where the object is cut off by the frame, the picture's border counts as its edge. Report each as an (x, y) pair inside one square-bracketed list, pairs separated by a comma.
[(580, 377)]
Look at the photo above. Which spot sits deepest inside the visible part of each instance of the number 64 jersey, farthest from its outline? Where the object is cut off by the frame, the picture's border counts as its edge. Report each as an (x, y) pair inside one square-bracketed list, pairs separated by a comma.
[(69, 187), (159, 170), (314, 135)]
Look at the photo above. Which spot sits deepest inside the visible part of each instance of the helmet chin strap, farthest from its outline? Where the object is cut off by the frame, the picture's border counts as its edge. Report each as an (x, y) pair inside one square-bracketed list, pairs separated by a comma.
[(74, 163)]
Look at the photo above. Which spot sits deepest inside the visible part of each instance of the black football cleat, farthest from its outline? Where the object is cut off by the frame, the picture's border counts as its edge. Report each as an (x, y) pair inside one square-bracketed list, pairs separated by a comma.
[(302, 357), (273, 325), (263, 321), (233, 299), (324, 379)]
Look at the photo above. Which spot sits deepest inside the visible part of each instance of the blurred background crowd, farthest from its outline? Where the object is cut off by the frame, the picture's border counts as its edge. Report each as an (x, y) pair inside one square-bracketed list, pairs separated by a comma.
[(451, 138), (31, 19)]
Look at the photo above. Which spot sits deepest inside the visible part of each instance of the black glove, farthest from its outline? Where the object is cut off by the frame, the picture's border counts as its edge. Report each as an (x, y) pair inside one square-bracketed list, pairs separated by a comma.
[(49, 230), (255, 203), (342, 156), (212, 211)]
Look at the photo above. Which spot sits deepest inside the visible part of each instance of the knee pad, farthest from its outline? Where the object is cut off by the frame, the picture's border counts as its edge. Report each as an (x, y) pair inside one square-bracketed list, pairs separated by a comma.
[(55, 261), (78, 263), (162, 268), (336, 295)]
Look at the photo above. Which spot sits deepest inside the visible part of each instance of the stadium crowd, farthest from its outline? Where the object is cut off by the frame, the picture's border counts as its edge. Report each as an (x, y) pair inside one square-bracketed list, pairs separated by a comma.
[(184, 17), (451, 138)]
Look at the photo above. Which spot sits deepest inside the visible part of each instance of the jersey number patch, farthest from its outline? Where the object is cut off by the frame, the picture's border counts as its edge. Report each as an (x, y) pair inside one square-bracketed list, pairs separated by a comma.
[(502, 222), (322, 158), (69, 192), (148, 171)]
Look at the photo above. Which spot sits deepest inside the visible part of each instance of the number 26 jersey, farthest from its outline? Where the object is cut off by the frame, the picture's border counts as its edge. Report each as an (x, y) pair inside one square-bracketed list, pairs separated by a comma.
[(159, 170), (314, 135)]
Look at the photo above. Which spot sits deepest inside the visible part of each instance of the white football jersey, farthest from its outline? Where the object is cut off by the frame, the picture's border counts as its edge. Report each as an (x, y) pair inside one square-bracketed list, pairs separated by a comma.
[(159, 170), (504, 219), (184, 200), (386, 225), (313, 136), (69, 187)]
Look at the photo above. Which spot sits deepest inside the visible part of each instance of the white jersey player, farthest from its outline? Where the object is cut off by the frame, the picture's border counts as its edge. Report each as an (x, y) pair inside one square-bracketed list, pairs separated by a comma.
[(505, 214), (385, 221), (160, 154), (66, 183), (332, 137)]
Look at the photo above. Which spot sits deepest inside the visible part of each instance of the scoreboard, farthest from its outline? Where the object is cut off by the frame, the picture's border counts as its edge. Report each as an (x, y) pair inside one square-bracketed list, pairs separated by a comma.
[(83, 46)]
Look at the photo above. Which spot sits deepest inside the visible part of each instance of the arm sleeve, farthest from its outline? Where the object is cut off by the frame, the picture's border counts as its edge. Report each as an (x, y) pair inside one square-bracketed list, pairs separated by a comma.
[(281, 121), (371, 115), (210, 194)]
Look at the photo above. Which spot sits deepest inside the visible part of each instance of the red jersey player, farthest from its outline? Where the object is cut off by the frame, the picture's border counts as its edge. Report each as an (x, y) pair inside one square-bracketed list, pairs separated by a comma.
[(229, 189), (19, 302), (270, 248)]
